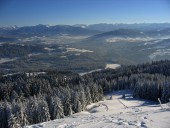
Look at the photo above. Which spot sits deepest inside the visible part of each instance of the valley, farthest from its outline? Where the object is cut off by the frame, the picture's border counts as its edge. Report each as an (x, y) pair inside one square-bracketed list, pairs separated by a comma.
[(80, 49)]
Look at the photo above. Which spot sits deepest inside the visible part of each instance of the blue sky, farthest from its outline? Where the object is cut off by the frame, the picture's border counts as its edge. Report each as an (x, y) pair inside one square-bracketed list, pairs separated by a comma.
[(33, 12)]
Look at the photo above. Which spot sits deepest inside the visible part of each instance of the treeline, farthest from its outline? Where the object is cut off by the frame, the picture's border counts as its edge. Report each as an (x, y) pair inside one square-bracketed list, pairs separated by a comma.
[(29, 98), (37, 97), (148, 81)]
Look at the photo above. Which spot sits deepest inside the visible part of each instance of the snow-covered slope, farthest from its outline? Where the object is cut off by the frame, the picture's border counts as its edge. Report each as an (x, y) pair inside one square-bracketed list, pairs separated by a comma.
[(116, 112)]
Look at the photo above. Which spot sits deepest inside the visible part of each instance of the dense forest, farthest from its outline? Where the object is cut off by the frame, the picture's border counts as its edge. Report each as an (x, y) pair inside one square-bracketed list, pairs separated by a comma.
[(34, 97), (16, 50), (148, 81)]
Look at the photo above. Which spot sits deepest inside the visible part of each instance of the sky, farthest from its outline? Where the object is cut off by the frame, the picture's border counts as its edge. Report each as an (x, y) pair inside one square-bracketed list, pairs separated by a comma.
[(53, 12)]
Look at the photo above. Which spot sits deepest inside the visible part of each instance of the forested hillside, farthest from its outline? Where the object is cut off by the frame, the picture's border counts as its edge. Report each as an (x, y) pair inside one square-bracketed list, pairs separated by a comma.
[(16, 50), (148, 81), (31, 98), (35, 97)]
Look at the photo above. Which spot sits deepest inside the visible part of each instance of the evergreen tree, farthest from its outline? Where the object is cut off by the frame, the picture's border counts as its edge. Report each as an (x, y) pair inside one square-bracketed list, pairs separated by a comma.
[(56, 108), (12, 120), (3, 116), (166, 92)]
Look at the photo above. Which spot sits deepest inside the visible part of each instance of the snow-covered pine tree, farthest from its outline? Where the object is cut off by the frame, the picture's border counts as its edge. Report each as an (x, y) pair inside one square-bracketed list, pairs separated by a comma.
[(43, 114), (31, 110), (166, 92), (95, 92), (18, 109), (56, 108), (76, 103), (82, 99), (66, 100), (12, 120), (88, 95), (3, 116), (68, 108)]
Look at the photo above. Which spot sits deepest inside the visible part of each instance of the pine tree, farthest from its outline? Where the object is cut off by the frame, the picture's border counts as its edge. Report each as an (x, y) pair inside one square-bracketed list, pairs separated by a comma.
[(43, 114), (166, 92), (3, 116), (18, 109), (76, 103), (31, 110), (56, 108), (12, 120), (88, 95), (82, 99)]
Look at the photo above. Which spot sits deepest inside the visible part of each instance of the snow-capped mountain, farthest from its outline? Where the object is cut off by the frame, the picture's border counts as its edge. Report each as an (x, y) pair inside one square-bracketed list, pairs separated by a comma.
[(142, 26), (46, 30)]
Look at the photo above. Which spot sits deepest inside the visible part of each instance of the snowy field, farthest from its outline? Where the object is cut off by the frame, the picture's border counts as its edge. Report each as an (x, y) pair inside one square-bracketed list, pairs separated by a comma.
[(112, 66), (116, 112), (4, 60), (128, 39), (77, 50), (83, 73)]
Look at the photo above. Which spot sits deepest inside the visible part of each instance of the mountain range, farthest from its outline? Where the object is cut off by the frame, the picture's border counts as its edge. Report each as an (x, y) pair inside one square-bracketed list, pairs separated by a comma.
[(45, 30), (80, 29), (110, 27)]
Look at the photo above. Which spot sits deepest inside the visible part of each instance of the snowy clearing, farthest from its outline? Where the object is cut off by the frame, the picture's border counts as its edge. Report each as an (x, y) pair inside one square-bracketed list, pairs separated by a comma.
[(83, 73), (4, 60), (112, 66), (34, 54), (115, 112), (34, 73), (128, 39), (77, 50), (49, 49)]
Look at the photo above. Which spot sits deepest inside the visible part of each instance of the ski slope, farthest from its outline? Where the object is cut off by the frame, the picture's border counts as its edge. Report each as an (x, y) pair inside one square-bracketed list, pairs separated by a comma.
[(116, 112)]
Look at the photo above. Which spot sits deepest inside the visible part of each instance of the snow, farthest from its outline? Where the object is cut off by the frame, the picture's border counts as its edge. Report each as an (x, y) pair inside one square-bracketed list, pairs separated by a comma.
[(77, 50), (49, 49), (159, 52), (83, 73), (115, 112), (34, 54), (83, 26), (112, 66), (63, 56), (128, 39), (4, 60), (11, 74), (34, 73)]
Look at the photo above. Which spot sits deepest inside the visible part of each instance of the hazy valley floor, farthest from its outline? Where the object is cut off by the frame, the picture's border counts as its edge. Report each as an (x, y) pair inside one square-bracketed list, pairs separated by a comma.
[(116, 112)]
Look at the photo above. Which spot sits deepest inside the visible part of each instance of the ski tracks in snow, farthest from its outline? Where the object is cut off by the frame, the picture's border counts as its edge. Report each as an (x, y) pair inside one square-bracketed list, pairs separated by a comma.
[(115, 112)]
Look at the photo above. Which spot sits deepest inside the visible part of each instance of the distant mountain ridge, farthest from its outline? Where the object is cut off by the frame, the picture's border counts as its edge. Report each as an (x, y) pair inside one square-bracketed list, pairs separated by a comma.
[(121, 33), (83, 28), (45, 30), (133, 33), (111, 27)]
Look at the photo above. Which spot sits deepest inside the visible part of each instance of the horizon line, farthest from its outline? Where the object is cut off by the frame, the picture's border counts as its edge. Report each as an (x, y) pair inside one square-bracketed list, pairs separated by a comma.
[(85, 24)]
